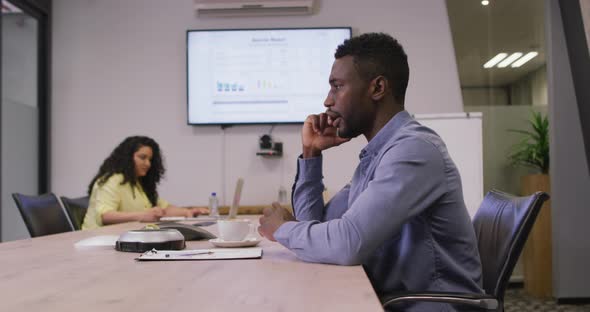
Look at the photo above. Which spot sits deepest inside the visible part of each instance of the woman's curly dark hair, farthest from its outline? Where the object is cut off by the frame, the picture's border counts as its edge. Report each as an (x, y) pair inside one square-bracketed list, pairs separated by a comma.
[(121, 161)]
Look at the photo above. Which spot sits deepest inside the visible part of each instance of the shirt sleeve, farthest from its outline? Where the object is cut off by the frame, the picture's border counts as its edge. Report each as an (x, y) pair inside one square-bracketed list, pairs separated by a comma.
[(162, 203), (108, 197), (308, 203), (408, 179)]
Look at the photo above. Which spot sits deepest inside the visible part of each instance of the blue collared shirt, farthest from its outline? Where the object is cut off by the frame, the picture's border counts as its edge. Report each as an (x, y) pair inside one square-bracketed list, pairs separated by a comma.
[(402, 216)]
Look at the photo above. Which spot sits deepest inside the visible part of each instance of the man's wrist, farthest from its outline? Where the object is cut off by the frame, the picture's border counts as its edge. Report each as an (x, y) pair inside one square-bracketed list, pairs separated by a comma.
[(309, 152), (283, 233)]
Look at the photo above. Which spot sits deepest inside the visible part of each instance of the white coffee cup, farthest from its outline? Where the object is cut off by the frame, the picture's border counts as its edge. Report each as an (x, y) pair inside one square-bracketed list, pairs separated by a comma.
[(233, 230)]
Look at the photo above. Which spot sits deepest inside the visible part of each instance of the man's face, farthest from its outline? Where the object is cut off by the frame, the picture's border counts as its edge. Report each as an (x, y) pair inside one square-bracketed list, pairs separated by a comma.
[(348, 102)]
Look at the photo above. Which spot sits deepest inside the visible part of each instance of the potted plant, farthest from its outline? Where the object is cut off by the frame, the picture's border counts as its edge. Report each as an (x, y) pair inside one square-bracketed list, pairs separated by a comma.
[(533, 152)]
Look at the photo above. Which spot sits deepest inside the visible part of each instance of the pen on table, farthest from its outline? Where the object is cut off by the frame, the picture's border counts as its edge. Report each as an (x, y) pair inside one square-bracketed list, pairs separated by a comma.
[(192, 254)]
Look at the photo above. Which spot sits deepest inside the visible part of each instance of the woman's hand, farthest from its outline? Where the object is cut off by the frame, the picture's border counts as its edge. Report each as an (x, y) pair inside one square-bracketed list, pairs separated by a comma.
[(153, 214), (188, 212), (195, 211)]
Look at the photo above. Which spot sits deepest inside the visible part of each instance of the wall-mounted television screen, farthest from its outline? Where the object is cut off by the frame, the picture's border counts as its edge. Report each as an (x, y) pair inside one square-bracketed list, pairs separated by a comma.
[(259, 76)]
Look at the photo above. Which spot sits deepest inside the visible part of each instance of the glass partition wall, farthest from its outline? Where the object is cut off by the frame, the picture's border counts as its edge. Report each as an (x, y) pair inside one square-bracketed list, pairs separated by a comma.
[(24, 110), (493, 40), (500, 53)]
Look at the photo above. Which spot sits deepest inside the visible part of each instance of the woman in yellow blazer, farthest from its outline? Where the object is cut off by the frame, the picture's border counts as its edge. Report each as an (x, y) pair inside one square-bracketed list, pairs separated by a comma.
[(125, 187)]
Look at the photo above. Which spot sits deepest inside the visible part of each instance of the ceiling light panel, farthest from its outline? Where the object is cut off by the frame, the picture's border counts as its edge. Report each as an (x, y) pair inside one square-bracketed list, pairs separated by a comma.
[(491, 63), (527, 57), (507, 61)]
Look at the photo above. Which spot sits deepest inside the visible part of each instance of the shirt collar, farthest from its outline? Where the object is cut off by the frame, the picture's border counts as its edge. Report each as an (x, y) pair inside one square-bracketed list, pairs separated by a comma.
[(375, 145)]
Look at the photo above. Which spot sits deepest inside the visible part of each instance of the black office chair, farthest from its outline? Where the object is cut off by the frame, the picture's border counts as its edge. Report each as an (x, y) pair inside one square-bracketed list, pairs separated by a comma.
[(43, 215), (76, 209), (502, 225)]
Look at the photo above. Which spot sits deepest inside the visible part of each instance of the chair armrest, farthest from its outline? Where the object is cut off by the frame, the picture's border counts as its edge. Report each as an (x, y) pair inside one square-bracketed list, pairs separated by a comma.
[(482, 301)]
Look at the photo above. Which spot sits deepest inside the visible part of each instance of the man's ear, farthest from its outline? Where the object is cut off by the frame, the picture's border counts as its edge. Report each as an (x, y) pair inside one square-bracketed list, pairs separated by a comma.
[(379, 86)]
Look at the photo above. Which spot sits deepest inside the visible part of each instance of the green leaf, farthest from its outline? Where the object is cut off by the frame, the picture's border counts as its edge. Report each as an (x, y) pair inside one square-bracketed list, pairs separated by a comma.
[(533, 148)]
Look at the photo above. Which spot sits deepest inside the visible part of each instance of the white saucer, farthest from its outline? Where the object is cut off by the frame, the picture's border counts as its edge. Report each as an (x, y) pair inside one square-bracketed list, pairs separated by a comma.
[(249, 242)]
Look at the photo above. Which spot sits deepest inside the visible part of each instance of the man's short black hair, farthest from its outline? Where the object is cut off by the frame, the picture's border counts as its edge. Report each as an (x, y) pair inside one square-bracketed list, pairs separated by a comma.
[(377, 54)]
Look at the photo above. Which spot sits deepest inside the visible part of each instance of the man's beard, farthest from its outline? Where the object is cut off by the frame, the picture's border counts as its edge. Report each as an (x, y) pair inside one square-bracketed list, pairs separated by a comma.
[(345, 133)]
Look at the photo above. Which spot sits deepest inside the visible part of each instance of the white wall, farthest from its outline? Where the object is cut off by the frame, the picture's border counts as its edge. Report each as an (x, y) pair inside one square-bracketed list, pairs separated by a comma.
[(531, 89), (119, 69), (477, 97), (539, 87)]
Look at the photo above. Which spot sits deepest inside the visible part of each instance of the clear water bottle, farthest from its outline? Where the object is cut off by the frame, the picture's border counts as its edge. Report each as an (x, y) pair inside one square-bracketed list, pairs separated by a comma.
[(213, 205), (283, 196)]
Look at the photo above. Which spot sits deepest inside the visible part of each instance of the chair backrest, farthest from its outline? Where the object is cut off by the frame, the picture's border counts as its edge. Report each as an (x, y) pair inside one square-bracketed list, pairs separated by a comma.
[(502, 225), (43, 215), (76, 209)]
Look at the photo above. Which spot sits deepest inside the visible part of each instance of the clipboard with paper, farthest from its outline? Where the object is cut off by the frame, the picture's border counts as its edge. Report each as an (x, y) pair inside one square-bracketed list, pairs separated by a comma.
[(201, 254)]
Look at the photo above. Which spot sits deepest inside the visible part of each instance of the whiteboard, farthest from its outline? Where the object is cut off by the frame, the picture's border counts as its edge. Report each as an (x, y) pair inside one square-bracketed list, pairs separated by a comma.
[(462, 133)]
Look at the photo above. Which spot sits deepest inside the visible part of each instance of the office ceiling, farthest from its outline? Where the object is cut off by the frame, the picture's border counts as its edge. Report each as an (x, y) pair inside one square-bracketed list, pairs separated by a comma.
[(480, 32)]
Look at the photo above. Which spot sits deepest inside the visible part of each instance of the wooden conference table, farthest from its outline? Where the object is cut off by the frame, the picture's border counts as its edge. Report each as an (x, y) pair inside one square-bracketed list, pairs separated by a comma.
[(50, 274)]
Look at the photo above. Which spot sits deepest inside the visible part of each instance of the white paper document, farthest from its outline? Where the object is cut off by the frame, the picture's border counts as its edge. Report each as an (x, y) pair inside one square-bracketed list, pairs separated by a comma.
[(199, 218), (201, 254)]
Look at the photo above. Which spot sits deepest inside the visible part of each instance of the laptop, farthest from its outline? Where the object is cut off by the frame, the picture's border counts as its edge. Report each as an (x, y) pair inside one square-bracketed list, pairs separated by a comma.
[(233, 209)]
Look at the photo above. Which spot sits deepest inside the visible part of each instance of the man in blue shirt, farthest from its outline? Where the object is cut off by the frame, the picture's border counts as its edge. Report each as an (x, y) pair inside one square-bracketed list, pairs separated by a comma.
[(402, 216)]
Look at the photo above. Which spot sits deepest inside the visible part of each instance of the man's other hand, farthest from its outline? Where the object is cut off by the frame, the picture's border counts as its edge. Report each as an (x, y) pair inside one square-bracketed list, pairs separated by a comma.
[(273, 217)]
